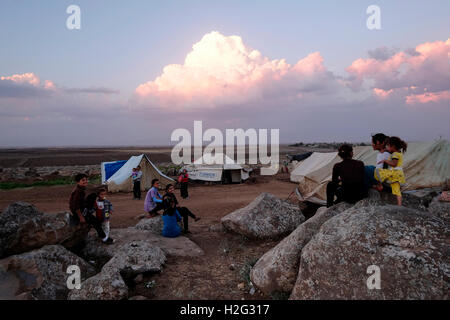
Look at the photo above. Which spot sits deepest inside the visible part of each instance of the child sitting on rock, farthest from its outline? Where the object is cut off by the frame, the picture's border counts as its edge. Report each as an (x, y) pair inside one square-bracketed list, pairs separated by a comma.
[(104, 210), (394, 174)]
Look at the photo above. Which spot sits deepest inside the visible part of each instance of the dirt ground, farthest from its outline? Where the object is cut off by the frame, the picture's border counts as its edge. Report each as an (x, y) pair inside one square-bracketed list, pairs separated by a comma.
[(215, 275)]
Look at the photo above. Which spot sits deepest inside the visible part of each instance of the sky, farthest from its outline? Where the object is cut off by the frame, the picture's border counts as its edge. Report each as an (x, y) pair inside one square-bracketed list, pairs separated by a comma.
[(138, 70)]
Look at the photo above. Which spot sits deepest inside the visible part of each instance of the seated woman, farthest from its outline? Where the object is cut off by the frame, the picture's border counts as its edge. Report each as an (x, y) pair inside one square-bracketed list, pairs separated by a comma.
[(170, 218), (347, 183), (170, 198)]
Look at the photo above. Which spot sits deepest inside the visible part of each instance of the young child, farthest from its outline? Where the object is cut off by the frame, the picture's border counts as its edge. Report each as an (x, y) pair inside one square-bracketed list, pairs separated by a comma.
[(90, 215), (104, 210), (137, 176), (394, 174)]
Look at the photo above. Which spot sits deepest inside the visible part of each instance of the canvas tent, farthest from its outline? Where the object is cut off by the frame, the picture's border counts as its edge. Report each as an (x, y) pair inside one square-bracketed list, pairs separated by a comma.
[(121, 179), (426, 164), (109, 168), (206, 169)]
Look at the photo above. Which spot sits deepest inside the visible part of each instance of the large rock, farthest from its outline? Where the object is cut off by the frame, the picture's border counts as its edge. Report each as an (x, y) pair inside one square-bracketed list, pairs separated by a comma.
[(276, 270), (265, 217), (410, 247), (415, 199), (96, 250), (102, 286), (440, 208), (23, 228), (40, 274), (135, 258), (130, 259), (154, 225)]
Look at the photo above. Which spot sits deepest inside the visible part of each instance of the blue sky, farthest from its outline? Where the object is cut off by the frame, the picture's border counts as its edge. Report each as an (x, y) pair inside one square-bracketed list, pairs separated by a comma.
[(124, 44)]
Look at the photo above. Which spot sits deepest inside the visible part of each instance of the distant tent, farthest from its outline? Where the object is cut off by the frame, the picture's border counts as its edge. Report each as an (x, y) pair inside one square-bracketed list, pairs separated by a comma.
[(121, 179), (206, 169), (426, 164), (109, 168)]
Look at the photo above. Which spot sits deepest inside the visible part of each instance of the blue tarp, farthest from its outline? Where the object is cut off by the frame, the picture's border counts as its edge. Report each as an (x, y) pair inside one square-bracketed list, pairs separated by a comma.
[(113, 167)]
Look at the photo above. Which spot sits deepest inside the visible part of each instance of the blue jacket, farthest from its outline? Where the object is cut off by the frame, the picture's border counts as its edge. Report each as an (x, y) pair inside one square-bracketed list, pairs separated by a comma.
[(171, 228)]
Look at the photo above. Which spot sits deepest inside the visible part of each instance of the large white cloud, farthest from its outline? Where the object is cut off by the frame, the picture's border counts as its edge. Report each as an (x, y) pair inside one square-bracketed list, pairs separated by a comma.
[(221, 70)]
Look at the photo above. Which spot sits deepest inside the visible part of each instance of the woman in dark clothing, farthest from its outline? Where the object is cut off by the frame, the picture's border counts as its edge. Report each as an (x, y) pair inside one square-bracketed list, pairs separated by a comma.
[(347, 183), (170, 204)]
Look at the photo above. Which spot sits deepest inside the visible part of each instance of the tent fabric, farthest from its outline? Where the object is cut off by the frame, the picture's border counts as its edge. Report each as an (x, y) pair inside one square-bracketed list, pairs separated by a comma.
[(121, 180), (206, 168), (109, 168), (426, 164)]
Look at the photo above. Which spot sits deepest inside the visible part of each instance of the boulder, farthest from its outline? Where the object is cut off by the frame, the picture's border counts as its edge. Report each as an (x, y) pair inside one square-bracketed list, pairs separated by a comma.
[(130, 260), (415, 199), (265, 217), (23, 228), (410, 248), (276, 270), (100, 252), (135, 258), (154, 225), (40, 274), (102, 286), (440, 208)]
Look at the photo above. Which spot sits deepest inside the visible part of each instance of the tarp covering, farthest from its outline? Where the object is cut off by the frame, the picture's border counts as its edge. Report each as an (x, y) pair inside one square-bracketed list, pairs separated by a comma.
[(206, 169), (109, 168), (121, 180), (426, 164)]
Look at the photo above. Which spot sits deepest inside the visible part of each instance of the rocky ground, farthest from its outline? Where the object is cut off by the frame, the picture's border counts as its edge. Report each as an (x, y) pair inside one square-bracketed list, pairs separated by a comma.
[(249, 243), (325, 257), (227, 257)]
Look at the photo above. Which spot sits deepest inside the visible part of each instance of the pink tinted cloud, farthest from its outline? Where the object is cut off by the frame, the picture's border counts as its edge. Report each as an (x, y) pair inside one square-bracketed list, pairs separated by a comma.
[(222, 70), (422, 75), (382, 94), (428, 97), (28, 78)]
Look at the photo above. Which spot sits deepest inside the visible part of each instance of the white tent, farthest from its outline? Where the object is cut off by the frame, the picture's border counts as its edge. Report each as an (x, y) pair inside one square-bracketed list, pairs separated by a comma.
[(207, 169), (426, 164), (121, 179)]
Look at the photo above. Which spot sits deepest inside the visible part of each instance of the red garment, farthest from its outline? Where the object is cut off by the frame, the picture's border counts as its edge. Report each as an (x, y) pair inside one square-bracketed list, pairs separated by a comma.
[(183, 178), (98, 212)]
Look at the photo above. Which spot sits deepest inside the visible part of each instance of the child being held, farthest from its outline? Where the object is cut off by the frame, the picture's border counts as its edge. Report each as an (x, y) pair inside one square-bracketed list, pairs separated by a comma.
[(394, 174), (104, 210)]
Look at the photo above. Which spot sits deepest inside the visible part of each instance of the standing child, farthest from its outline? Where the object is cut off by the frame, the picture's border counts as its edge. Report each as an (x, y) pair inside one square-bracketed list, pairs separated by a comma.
[(90, 214), (183, 179), (83, 210), (394, 174), (137, 176), (104, 210)]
